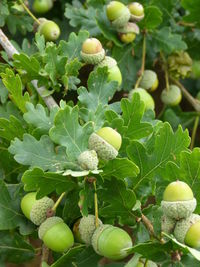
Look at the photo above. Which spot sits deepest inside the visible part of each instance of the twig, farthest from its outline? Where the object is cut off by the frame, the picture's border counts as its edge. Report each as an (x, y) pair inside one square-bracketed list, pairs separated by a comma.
[(149, 227), (194, 131), (29, 12), (165, 70), (96, 205), (194, 102), (143, 62), (45, 255), (11, 50), (58, 201)]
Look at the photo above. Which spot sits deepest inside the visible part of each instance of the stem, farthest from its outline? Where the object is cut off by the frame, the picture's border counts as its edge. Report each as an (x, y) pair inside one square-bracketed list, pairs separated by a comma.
[(45, 255), (194, 102), (96, 205), (165, 70), (29, 12), (194, 131), (10, 51), (143, 61), (146, 263), (149, 227), (58, 201)]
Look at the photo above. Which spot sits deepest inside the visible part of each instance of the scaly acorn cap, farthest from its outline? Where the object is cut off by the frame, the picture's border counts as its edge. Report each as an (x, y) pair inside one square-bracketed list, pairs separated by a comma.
[(132, 7), (39, 210), (92, 51), (104, 150), (46, 225), (172, 96), (128, 28), (167, 224), (178, 209), (107, 62), (183, 226), (87, 228), (149, 78), (88, 160)]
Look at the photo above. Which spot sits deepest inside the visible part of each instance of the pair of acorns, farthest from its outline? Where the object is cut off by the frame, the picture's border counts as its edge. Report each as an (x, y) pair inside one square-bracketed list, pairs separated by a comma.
[(107, 240), (103, 144), (178, 206), (119, 15)]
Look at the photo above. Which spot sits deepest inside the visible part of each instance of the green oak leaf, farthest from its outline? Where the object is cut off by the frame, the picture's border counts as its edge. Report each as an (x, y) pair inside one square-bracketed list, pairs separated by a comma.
[(72, 48), (13, 84), (3, 93), (118, 200), (152, 18), (40, 153), (9, 109), (23, 25), (69, 133), (193, 7), (161, 148), (71, 210), (46, 182), (4, 12)]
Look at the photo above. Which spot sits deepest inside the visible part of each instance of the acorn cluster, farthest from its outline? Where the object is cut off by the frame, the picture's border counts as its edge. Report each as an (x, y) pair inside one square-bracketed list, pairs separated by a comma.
[(178, 205), (92, 52), (103, 144), (123, 19)]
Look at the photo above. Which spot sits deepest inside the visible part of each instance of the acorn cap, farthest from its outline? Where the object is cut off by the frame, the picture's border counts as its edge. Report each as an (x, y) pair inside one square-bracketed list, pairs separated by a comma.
[(128, 28), (183, 226), (123, 19), (172, 96), (39, 210), (87, 228), (104, 150), (107, 62), (167, 224), (36, 25), (88, 160), (46, 225), (148, 79), (93, 58), (178, 209)]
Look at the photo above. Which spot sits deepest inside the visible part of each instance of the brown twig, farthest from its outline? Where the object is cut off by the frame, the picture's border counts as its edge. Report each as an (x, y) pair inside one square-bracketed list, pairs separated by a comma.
[(45, 255), (147, 223)]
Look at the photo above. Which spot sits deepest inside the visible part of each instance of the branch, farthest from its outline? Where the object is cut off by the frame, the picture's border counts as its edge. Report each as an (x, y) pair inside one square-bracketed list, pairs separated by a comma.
[(10, 51)]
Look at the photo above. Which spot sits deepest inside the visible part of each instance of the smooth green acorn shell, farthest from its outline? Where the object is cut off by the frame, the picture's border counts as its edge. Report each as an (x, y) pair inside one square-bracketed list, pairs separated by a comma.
[(42, 6), (178, 209), (167, 224), (104, 150), (56, 235), (183, 226), (148, 79), (27, 203), (93, 58), (88, 160), (87, 228), (111, 242), (172, 96), (50, 30), (144, 96)]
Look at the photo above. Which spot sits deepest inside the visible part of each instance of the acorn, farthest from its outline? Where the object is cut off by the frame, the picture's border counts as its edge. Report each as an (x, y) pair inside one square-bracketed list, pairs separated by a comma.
[(127, 34), (36, 210), (42, 6), (84, 228), (137, 11), (167, 224), (106, 142), (178, 201), (114, 73), (187, 231), (111, 242), (56, 235), (172, 96), (118, 14), (144, 96), (149, 80), (92, 51), (50, 30), (88, 160)]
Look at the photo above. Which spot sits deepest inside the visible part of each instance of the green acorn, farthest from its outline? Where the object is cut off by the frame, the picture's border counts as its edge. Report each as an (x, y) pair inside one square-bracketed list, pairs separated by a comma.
[(106, 142), (114, 73), (137, 11), (178, 201), (145, 97), (84, 228), (92, 51), (167, 224), (56, 235), (172, 96), (50, 30), (187, 231), (149, 80), (128, 33), (111, 242), (88, 160), (117, 13), (42, 6), (195, 69), (36, 210)]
